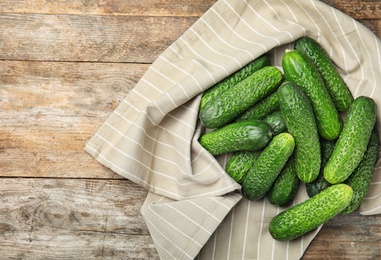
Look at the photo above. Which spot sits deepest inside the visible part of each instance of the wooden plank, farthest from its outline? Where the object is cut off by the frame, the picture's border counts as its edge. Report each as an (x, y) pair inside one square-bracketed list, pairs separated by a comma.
[(72, 219), (348, 237), (111, 7), (83, 219), (358, 9), (92, 38), (49, 110)]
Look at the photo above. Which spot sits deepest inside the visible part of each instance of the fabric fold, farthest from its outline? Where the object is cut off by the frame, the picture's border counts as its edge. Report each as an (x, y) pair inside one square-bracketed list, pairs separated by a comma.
[(199, 217), (193, 208)]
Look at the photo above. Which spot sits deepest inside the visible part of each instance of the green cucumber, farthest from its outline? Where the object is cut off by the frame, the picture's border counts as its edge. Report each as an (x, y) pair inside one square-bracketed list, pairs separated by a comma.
[(299, 68), (340, 94), (231, 103), (240, 163), (310, 214), (234, 78), (361, 178), (261, 109), (259, 179), (284, 189), (276, 121), (320, 183), (240, 136), (353, 141), (300, 121)]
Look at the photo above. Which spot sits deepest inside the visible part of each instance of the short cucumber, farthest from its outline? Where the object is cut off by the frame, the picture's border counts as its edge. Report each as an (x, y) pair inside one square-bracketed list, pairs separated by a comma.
[(300, 121), (310, 214), (227, 106), (320, 183), (361, 178), (240, 136), (299, 68), (234, 78), (353, 141), (261, 109), (341, 96), (276, 121), (240, 163), (259, 179), (284, 189)]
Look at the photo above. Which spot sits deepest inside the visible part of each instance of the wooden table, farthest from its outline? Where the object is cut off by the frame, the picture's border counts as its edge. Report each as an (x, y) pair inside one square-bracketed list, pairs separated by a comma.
[(64, 67)]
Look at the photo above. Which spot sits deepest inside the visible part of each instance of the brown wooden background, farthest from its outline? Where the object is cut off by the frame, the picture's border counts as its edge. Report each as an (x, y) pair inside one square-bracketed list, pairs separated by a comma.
[(65, 65)]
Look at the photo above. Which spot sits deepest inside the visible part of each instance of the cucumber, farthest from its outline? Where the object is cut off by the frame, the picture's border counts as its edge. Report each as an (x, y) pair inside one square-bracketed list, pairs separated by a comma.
[(234, 78), (231, 103), (240, 162), (276, 121), (240, 136), (320, 183), (261, 109), (340, 94), (353, 141), (259, 179), (310, 214), (361, 178), (300, 121), (299, 68), (284, 189)]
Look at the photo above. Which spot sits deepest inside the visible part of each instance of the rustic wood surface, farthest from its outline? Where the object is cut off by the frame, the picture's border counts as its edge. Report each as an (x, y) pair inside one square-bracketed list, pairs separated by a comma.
[(65, 65)]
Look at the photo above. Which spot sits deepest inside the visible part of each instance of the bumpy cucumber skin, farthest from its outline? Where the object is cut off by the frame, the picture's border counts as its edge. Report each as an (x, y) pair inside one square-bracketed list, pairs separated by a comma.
[(299, 68), (259, 179), (261, 109), (300, 121), (341, 95), (284, 189), (361, 178), (276, 121), (240, 163), (353, 141), (320, 183), (231, 103), (310, 214), (234, 78), (240, 136)]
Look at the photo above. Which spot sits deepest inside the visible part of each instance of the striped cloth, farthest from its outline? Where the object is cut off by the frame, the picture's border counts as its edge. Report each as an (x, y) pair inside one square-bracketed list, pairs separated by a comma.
[(193, 209)]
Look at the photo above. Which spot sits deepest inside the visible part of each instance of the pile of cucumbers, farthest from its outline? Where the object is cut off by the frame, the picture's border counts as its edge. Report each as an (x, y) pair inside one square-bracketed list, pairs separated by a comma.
[(302, 125)]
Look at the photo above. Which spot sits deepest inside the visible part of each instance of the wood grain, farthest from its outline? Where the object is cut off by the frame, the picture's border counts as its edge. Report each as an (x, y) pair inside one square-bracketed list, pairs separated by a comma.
[(358, 9), (95, 38), (101, 38), (348, 237), (97, 219), (64, 67), (49, 110), (72, 219), (110, 7)]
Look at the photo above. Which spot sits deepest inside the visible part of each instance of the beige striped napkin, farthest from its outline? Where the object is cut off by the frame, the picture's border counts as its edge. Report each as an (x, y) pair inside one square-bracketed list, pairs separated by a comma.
[(193, 209)]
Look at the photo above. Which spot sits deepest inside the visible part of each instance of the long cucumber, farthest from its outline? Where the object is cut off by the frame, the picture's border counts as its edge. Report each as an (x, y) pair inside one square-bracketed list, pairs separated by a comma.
[(361, 178), (299, 68), (234, 78), (259, 179), (353, 141), (310, 214), (226, 107), (246, 136), (341, 95), (300, 121)]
